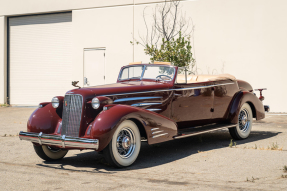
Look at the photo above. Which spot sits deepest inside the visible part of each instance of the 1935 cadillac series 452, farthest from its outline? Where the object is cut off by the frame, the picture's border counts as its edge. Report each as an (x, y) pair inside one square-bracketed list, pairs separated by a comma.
[(156, 102)]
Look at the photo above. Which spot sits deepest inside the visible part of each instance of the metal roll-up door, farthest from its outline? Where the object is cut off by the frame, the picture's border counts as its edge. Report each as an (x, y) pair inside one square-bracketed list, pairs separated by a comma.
[(40, 63)]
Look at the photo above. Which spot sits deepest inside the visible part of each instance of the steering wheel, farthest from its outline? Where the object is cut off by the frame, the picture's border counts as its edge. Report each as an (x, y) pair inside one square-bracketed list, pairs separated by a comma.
[(159, 76)]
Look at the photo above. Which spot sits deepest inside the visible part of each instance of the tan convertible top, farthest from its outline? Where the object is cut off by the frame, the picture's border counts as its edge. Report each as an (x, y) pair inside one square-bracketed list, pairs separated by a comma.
[(203, 78)]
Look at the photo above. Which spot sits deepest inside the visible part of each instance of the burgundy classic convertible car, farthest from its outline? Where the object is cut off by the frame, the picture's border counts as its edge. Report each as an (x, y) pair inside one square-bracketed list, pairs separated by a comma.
[(156, 102)]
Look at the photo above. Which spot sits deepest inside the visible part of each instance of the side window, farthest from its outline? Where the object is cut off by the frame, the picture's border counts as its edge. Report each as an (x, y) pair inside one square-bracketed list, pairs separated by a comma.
[(181, 75)]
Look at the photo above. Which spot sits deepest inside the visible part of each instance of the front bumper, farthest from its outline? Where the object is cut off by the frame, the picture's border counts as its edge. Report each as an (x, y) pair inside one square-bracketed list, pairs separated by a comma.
[(60, 141)]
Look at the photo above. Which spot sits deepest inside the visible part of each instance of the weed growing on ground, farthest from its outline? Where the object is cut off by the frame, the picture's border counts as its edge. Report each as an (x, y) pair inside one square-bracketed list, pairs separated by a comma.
[(4, 105), (252, 179), (274, 146), (284, 176), (285, 168), (231, 144)]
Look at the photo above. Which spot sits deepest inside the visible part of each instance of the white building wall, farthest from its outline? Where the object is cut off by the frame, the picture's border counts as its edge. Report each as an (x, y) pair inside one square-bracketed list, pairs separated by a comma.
[(3, 62), (16, 7), (103, 27), (246, 38)]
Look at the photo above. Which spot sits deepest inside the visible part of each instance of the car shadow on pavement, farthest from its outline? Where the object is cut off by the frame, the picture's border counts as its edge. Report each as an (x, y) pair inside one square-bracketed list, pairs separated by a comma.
[(158, 154)]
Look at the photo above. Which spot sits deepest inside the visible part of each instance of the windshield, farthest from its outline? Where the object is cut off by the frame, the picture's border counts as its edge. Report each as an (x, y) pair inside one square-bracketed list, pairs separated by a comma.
[(165, 73)]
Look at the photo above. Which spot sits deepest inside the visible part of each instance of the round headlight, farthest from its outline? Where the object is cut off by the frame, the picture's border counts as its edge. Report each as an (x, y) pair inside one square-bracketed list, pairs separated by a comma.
[(55, 102), (95, 103)]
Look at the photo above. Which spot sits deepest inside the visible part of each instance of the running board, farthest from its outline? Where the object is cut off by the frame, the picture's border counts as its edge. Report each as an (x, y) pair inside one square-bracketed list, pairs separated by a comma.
[(200, 130)]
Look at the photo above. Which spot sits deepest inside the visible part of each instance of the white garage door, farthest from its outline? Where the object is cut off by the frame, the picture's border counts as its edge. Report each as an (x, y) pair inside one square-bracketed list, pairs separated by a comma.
[(40, 64)]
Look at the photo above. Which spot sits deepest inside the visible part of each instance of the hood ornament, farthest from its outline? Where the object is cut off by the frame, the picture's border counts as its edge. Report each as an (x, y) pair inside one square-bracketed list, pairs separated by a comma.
[(74, 83)]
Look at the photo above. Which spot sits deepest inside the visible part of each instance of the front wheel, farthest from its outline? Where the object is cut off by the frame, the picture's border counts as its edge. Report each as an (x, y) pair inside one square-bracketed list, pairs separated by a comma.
[(49, 153), (244, 125), (125, 145)]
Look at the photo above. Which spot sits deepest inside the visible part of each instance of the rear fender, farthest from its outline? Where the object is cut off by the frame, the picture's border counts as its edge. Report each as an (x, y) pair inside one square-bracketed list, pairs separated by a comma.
[(246, 97), (157, 127)]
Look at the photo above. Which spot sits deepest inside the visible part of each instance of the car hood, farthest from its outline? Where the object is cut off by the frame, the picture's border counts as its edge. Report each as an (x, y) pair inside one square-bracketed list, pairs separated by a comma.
[(119, 88)]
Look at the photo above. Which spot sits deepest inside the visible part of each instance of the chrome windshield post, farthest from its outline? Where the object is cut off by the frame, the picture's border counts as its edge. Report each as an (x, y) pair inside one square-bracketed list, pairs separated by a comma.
[(143, 72)]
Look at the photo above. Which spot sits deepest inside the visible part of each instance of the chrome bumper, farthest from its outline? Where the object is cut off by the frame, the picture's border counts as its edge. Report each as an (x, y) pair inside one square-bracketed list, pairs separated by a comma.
[(60, 141)]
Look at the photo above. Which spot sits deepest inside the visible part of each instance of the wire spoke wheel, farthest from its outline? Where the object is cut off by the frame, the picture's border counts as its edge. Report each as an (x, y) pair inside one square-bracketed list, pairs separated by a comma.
[(126, 142), (244, 125), (243, 120), (125, 145)]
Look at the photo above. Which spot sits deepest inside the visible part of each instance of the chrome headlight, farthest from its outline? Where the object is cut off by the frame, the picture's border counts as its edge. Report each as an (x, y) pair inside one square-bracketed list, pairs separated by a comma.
[(95, 103), (55, 102)]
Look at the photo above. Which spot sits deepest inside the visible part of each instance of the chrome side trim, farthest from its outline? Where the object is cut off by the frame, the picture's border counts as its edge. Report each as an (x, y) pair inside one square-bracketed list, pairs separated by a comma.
[(144, 104), (159, 135), (155, 132), (180, 89), (202, 87), (201, 132), (135, 98), (154, 129), (60, 141), (153, 109)]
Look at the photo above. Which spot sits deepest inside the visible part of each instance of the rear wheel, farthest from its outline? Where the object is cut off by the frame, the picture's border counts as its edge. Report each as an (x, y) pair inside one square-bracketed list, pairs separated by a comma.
[(244, 125), (49, 153), (125, 145)]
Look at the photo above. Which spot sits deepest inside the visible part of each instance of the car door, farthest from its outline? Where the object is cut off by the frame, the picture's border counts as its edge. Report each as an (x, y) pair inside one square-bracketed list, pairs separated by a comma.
[(192, 104)]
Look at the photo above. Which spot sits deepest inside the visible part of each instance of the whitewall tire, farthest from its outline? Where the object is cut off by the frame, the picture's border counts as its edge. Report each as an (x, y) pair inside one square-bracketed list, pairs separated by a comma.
[(244, 125), (49, 153), (125, 145)]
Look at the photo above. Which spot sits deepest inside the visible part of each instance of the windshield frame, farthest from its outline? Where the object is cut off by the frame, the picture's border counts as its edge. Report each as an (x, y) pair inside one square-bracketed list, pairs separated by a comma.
[(142, 74)]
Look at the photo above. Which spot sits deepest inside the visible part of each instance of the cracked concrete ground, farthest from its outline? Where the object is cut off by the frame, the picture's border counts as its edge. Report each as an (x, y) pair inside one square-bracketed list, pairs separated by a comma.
[(203, 162)]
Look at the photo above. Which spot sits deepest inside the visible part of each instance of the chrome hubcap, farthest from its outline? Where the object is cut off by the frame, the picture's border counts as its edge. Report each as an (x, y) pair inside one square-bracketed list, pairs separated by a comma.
[(126, 142), (243, 120)]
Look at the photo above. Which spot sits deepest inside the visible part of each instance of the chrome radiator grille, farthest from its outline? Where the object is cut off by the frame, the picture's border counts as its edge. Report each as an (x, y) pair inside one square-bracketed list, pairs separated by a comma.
[(72, 112)]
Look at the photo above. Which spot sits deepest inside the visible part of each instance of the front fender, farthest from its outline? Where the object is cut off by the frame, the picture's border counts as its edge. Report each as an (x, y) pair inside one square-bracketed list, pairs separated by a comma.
[(246, 97), (45, 120), (157, 127)]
